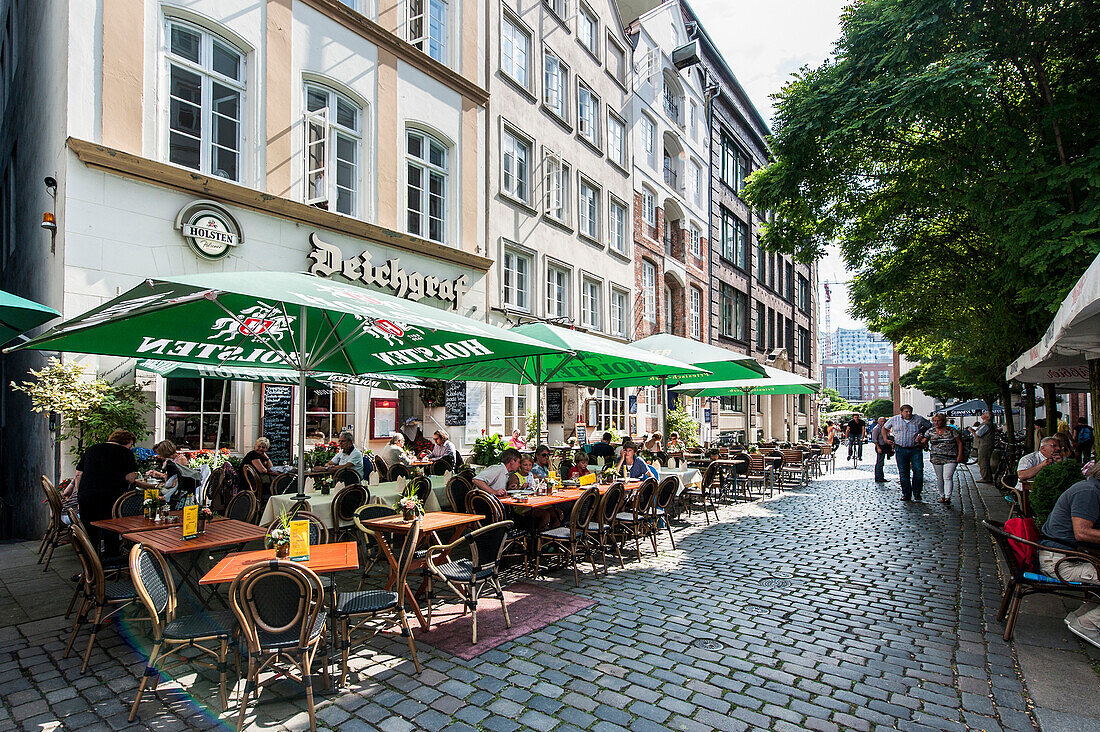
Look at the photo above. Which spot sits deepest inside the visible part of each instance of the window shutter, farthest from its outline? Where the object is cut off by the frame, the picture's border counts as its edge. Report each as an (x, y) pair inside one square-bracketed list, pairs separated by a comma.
[(316, 152)]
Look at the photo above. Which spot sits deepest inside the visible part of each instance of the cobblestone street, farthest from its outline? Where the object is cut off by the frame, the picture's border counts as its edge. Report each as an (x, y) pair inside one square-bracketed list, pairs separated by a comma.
[(834, 607)]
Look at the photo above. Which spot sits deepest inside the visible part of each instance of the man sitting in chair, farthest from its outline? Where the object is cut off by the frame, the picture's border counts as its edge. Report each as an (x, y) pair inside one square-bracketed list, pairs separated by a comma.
[(495, 477), (1049, 452), (348, 454)]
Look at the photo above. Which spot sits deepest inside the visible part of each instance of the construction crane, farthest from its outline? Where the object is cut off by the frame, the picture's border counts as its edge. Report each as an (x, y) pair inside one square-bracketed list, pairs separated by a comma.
[(828, 349)]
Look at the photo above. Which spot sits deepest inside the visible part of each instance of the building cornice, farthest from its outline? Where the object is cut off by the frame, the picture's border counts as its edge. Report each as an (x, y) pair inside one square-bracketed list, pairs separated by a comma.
[(141, 169), (405, 51)]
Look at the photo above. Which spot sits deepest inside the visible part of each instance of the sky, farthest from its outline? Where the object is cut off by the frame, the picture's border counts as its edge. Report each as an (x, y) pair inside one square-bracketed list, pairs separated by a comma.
[(765, 43)]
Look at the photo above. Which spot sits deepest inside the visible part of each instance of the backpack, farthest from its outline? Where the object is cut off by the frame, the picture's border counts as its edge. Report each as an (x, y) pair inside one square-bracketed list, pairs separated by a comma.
[(1023, 528), (1084, 434)]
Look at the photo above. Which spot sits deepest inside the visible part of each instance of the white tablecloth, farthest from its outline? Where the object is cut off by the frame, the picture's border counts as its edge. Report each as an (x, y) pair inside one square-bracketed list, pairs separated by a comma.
[(687, 476), (388, 493), (321, 505)]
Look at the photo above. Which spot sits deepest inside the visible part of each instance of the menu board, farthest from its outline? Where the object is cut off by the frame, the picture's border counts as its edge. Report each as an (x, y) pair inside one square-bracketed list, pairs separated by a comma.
[(554, 414), (582, 435), (278, 405), (454, 397), (299, 541)]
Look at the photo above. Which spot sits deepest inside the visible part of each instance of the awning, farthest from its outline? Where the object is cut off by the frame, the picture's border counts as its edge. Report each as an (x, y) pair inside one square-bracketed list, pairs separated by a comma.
[(776, 382), (177, 370)]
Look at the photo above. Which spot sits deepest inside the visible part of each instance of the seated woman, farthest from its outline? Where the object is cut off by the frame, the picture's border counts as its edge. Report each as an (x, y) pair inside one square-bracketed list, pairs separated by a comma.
[(517, 441), (257, 458), (172, 465), (394, 453), (632, 466), (444, 450), (518, 480), (580, 466), (542, 467), (674, 443), (653, 444)]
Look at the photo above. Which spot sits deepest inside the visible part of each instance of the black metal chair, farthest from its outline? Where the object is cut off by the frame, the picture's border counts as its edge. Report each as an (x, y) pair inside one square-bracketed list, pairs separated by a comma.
[(572, 539), (369, 548), (662, 504), (344, 505), (174, 634), (278, 605), (637, 522), (130, 503), (365, 605), (243, 507), (469, 578)]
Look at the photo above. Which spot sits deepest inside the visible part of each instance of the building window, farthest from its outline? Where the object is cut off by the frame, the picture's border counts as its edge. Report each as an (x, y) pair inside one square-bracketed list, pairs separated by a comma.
[(649, 207), (672, 102), (555, 84), (616, 224), (429, 32), (329, 412), (788, 281), (670, 171), (771, 329), (194, 407), (557, 187), (557, 292), (589, 216), (696, 313), (620, 325), (426, 161), (616, 135), (761, 264), (517, 280), (725, 310), (693, 111), (761, 326), (588, 114), (515, 51), (802, 294), (696, 183), (590, 303), (695, 237), (649, 140), (734, 238), (333, 135), (588, 29), (734, 164), (610, 405), (205, 102), (649, 291), (515, 408), (515, 179), (616, 60)]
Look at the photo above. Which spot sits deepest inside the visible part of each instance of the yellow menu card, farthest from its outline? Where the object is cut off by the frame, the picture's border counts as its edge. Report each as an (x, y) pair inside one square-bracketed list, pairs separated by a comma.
[(190, 522), (299, 541), (587, 479)]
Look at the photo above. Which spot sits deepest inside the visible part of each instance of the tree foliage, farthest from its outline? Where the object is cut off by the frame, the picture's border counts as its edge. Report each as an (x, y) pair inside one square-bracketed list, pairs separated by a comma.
[(878, 408), (680, 421), (834, 401), (952, 149)]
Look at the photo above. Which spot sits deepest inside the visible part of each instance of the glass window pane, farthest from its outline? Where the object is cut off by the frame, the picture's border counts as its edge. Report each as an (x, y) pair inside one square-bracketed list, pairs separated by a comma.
[(212, 396), (226, 61), (347, 115), (183, 430), (316, 99), (185, 43), (182, 395), (183, 150), (185, 85), (210, 432), (438, 155), (224, 163)]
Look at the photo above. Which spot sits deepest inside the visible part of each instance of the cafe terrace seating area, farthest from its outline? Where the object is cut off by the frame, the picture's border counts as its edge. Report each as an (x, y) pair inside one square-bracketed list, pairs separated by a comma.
[(226, 614)]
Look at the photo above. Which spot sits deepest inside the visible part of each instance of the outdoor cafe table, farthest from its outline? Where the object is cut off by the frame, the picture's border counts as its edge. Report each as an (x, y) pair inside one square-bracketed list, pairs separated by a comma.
[(130, 524), (430, 524), (218, 535), (323, 558), (321, 505), (687, 476)]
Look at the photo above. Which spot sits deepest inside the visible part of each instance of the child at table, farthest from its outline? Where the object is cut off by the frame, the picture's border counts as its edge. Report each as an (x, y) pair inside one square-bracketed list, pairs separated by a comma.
[(518, 480), (580, 466), (541, 517)]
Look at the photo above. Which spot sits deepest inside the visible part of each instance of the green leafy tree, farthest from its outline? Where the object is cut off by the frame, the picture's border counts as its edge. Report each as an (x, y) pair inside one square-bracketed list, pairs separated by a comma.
[(680, 421), (951, 149), (878, 408), (836, 403)]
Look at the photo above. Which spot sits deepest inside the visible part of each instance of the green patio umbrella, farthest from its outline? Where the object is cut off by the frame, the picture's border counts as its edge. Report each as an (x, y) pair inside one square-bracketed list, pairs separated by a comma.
[(18, 315), (177, 370), (582, 358), (285, 321)]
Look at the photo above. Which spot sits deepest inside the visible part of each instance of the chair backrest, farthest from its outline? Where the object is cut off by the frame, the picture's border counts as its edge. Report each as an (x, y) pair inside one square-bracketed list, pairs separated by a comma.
[(346, 502), (661, 457), (284, 483), (756, 462), (382, 468), (242, 507), (368, 512), (439, 467), (484, 503), (1004, 542), (422, 485), (742, 468), (564, 466), (709, 476), (611, 502), (398, 471), (582, 513), (53, 500), (792, 457), (318, 532), (457, 488), (643, 498), (279, 597), (154, 586), (91, 574), (666, 491), (129, 503), (405, 556), (487, 545), (252, 479), (347, 475)]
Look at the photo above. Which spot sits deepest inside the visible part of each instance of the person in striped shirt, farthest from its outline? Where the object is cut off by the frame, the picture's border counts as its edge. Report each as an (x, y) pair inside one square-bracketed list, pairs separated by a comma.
[(905, 431)]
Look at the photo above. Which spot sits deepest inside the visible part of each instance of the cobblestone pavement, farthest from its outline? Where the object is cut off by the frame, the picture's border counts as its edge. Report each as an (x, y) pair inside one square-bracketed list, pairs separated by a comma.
[(836, 607)]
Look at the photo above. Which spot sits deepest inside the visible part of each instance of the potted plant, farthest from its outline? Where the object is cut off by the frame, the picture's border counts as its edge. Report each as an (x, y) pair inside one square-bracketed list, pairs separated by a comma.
[(153, 506), (409, 506), (205, 515), (1049, 484), (487, 450), (279, 537)]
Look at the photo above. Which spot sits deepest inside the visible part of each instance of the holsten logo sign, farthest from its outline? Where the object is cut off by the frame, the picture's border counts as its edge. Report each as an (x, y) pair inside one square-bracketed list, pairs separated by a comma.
[(328, 260), (208, 229)]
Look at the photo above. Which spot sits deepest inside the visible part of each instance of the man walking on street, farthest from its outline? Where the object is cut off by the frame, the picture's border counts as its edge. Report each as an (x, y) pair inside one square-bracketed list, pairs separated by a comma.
[(857, 433), (905, 432), (983, 442), (882, 447)]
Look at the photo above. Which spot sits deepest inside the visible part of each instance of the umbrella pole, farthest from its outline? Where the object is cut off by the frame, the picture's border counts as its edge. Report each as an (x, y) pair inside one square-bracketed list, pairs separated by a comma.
[(218, 439), (538, 401), (302, 405), (664, 410)]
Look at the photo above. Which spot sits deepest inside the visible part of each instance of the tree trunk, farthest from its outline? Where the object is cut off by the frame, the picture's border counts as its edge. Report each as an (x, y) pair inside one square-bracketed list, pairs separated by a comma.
[(1050, 406), (1094, 394), (1006, 403), (1029, 417)]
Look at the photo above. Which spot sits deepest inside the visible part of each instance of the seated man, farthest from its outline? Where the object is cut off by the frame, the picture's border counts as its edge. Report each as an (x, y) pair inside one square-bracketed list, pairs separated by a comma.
[(394, 453), (348, 454), (494, 478), (1074, 523), (603, 448), (1049, 452)]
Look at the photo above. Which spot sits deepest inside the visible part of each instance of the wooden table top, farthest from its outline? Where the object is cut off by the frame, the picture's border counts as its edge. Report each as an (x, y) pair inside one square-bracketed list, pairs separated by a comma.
[(322, 558), (130, 524), (432, 521), (563, 495), (218, 534)]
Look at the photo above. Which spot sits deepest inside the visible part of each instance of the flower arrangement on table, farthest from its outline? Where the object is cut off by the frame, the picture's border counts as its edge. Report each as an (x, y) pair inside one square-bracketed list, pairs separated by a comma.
[(324, 483), (215, 459), (153, 506), (206, 514), (607, 475), (279, 537), (410, 507)]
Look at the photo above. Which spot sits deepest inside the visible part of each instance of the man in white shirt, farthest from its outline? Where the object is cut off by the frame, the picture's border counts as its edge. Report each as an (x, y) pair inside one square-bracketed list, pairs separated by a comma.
[(1049, 452), (348, 454), (495, 477)]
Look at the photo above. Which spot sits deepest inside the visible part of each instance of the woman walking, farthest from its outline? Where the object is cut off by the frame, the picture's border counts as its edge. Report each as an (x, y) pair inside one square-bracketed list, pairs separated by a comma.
[(945, 452)]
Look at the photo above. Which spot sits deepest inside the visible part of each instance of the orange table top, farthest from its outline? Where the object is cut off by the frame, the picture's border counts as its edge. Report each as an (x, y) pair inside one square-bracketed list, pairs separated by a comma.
[(432, 521), (562, 495), (218, 534), (129, 524), (322, 558)]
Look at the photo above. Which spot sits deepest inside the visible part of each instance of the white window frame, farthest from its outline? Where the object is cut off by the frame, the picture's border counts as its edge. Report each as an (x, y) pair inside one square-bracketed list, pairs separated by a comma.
[(649, 140), (649, 206), (695, 239), (693, 111), (695, 297), (423, 30), (588, 113), (559, 280), (515, 285), (323, 133), (516, 152), (591, 303), (619, 309), (559, 8), (557, 180), (619, 53), (616, 226), (616, 139), (427, 170), (207, 78), (696, 182), (592, 42), (588, 209), (515, 50), (649, 291), (555, 84)]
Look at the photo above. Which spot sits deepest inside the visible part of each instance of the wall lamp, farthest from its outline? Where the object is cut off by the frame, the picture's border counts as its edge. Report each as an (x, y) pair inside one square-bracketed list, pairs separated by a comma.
[(49, 218)]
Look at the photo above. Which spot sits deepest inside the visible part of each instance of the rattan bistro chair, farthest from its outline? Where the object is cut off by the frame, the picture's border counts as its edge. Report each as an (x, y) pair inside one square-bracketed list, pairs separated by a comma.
[(421, 485), (484, 503), (369, 548), (1022, 582), (398, 471), (662, 504), (57, 533), (284, 483), (457, 489), (364, 605), (130, 503), (601, 530), (637, 521), (278, 605), (348, 499), (174, 634), (243, 507), (470, 578), (572, 539), (702, 496), (103, 599)]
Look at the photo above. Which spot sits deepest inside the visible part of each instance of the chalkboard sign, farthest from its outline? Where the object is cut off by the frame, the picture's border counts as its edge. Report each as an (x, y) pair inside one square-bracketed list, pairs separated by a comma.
[(455, 399), (554, 407), (582, 435), (278, 406)]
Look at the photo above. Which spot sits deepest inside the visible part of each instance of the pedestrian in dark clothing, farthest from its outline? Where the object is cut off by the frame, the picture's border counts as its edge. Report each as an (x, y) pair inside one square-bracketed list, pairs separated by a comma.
[(882, 449), (1085, 439), (103, 473)]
